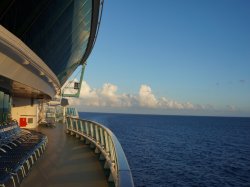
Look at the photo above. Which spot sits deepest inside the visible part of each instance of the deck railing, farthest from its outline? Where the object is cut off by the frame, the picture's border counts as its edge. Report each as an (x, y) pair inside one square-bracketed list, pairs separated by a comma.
[(105, 143)]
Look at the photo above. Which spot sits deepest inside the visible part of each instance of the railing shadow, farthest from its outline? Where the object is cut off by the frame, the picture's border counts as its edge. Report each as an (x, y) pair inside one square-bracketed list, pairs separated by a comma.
[(105, 143)]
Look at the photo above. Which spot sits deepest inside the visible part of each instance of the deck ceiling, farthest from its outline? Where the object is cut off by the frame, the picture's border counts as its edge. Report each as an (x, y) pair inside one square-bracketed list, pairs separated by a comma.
[(17, 89)]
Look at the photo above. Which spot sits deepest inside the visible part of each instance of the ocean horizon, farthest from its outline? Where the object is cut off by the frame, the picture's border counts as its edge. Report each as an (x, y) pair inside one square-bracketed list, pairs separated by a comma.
[(152, 114)]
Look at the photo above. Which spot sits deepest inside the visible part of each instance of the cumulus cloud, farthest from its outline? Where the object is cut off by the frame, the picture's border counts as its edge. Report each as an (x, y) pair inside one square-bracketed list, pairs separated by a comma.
[(108, 96), (146, 97)]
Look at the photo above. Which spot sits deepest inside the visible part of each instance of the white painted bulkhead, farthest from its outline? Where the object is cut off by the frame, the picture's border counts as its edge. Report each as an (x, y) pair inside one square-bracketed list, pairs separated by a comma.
[(25, 111), (30, 79)]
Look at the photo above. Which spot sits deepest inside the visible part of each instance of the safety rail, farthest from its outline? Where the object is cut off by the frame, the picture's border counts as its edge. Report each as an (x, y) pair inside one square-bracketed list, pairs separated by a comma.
[(107, 145)]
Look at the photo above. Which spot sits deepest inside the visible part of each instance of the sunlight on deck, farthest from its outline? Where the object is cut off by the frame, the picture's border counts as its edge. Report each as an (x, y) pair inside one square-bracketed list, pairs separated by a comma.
[(66, 162)]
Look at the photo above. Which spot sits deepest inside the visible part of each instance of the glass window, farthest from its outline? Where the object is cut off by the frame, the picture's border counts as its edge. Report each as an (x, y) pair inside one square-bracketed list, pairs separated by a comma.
[(63, 26), (30, 120), (6, 101), (1, 105)]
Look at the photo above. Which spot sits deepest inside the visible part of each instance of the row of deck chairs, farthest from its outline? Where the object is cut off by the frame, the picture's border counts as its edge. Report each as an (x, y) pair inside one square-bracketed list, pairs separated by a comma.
[(19, 150)]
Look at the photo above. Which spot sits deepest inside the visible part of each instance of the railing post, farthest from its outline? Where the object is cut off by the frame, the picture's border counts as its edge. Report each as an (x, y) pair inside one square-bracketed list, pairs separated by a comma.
[(81, 127), (91, 130), (73, 120), (87, 128), (102, 138), (77, 128), (111, 148), (71, 124), (84, 127), (106, 143), (92, 145), (67, 125), (97, 134), (76, 123)]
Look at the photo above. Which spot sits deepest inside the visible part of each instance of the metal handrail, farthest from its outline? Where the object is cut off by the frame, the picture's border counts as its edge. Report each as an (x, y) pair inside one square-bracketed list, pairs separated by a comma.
[(107, 144)]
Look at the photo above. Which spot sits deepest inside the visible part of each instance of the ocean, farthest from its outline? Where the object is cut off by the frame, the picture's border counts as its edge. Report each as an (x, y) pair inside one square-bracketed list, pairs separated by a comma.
[(182, 150)]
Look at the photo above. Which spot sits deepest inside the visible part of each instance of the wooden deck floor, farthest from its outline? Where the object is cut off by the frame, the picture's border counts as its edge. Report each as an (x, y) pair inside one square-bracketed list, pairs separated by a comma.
[(67, 162)]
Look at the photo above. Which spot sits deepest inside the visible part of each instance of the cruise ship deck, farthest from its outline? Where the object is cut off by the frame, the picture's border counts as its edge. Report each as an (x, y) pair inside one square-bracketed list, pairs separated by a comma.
[(67, 161), (42, 44)]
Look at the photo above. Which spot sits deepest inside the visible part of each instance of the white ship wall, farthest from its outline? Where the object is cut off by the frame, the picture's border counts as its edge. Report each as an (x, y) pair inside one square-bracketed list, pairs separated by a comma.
[(25, 109)]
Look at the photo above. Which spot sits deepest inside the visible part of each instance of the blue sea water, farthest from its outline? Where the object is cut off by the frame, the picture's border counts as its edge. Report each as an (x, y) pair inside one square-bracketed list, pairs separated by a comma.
[(182, 150)]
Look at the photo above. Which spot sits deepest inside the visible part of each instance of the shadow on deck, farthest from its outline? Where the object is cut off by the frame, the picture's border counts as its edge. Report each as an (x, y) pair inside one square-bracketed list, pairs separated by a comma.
[(66, 162)]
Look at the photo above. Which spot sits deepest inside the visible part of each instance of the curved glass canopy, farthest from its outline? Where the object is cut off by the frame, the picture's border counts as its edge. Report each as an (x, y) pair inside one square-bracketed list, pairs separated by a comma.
[(60, 32)]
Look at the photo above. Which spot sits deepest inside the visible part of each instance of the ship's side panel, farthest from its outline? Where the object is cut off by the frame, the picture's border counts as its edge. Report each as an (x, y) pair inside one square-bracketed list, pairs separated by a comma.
[(57, 31)]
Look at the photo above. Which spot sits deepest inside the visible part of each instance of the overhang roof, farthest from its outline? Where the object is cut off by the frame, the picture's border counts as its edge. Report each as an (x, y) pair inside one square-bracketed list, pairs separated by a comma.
[(61, 32)]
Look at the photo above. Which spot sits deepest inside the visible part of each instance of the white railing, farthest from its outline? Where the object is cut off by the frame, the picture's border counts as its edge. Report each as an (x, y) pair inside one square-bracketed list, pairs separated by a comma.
[(105, 143)]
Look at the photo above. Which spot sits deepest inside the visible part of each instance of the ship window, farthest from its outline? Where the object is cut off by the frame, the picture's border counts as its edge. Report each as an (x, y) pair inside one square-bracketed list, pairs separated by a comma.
[(76, 85), (30, 120), (6, 109), (5, 106), (6, 103), (1, 105), (63, 26)]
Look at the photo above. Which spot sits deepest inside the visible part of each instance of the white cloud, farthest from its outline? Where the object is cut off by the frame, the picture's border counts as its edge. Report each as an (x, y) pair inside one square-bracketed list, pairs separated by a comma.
[(107, 96), (146, 97)]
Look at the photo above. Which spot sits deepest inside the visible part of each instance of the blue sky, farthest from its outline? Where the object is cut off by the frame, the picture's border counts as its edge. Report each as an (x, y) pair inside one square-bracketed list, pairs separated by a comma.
[(195, 52)]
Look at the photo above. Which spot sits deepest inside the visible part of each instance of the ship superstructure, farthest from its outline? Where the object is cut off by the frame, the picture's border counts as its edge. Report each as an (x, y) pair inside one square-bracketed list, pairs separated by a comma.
[(41, 45)]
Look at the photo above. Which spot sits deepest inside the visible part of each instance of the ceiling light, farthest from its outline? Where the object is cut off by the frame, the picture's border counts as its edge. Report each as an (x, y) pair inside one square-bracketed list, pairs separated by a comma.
[(26, 62)]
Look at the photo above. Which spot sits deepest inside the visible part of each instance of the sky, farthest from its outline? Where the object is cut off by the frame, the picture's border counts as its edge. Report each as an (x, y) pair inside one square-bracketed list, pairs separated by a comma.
[(173, 57)]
